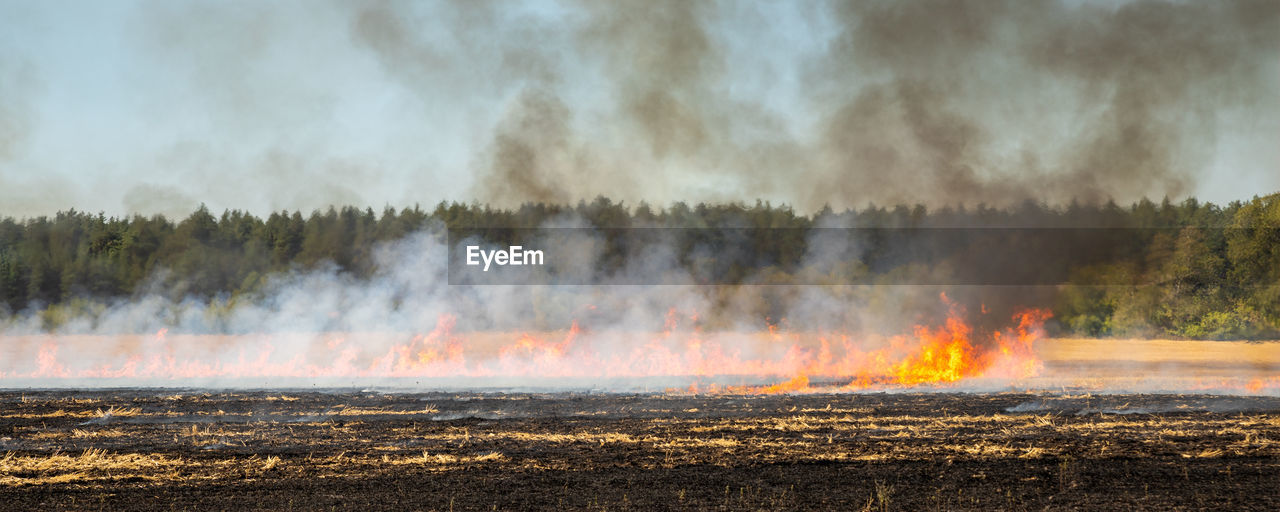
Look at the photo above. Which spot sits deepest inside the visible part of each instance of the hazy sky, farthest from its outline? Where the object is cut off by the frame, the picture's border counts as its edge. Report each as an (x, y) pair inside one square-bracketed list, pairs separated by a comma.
[(155, 107)]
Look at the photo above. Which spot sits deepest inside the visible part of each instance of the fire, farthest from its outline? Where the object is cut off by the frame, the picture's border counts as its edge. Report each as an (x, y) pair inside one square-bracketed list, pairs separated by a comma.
[(948, 354), (794, 361), (1251, 386)]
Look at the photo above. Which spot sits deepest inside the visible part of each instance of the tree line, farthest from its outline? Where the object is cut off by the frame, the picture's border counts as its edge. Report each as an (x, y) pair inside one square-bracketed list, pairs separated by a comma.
[(1182, 280)]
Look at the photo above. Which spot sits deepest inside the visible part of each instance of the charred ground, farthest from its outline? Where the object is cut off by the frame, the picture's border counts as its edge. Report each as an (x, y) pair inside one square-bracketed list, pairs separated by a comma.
[(152, 449)]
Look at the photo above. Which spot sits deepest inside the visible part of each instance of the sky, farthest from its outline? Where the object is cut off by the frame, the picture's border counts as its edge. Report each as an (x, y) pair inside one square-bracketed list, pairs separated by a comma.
[(153, 107)]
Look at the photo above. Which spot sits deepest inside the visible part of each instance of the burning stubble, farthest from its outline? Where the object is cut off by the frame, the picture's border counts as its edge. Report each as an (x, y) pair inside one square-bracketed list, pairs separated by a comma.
[(406, 326)]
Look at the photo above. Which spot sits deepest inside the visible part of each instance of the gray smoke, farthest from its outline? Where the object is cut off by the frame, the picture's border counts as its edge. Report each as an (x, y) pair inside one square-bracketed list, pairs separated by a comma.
[(999, 101), (921, 101), (840, 103)]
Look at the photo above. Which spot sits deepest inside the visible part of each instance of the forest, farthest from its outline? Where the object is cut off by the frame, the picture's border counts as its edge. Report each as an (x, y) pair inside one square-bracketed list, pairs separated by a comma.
[(1202, 271)]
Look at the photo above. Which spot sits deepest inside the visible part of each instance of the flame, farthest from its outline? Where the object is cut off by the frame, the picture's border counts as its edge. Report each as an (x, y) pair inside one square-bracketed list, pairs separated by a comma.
[(792, 361), (1239, 386)]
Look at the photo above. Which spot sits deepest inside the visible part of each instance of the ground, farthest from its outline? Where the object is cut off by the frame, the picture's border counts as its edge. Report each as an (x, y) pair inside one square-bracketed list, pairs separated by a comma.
[(342, 449)]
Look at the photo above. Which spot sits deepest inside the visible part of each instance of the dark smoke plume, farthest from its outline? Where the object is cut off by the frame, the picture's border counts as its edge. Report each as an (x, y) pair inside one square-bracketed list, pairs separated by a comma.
[(940, 102), (954, 85), (810, 103)]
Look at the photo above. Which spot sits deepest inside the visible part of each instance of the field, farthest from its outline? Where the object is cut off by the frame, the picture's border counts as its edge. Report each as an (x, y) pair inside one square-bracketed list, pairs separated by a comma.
[(340, 449)]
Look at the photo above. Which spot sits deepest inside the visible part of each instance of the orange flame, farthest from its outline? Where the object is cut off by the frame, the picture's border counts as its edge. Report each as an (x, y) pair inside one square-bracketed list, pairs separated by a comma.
[(794, 361)]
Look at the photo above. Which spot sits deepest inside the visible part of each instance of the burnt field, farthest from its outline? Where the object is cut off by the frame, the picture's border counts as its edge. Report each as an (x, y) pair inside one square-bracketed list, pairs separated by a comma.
[(181, 449)]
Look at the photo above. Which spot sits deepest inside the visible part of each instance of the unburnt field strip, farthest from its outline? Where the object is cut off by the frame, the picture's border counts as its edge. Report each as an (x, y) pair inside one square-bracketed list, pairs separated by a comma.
[(195, 449)]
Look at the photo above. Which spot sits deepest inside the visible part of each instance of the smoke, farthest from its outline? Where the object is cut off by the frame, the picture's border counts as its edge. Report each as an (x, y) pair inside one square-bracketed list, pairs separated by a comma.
[(840, 103), (990, 101), (534, 155), (660, 60), (19, 87), (933, 102), (408, 321), (14, 87), (410, 325)]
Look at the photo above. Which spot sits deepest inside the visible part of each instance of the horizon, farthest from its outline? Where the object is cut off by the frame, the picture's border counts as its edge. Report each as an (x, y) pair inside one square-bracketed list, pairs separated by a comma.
[(665, 208)]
